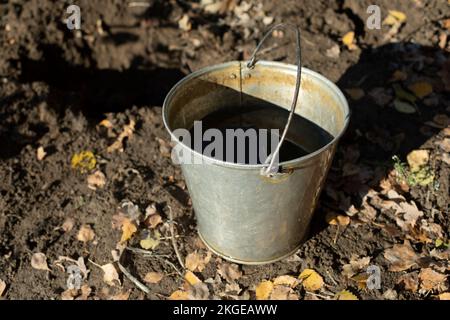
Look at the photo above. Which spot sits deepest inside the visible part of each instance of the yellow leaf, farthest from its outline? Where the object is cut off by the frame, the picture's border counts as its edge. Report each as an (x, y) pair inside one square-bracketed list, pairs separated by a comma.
[(337, 219), (128, 229), (348, 40), (191, 278), (150, 243), (312, 281), (417, 159), (345, 295), (263, 290), (84, 161), (421, 89), (394, 17), (355, 93), (399, 75), (179, 295), (444, 296)]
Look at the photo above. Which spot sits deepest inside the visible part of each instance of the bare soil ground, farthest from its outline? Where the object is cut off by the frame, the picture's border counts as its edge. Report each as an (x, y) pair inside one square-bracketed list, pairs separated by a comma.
[(58, 86)]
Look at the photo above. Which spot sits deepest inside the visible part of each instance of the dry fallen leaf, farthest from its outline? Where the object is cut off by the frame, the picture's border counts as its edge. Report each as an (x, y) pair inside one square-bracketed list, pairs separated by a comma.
[(69, 294), (191, 278), (281, 292), (337, 219), (150, 243), (432, 280), (110, 275), (444, 296), (348, 40), (195, 261), (68, 224), (394, 17), (421, 89), (404, 106), (355, 93), (124, 295), (445, 144), (2, 287), (86, 233), (153, 221), (198, 291), (39, 261), (410, 281), (184, 23), (263, 290), (312, 281), (153, 277), (345, 295), (96, 180), (83, 161), (418, 159), (286, 280), (40, 153), (127, 132), (401, 257), (179, 295), (128, 229), (355, 266), (85, 292), (229, 272)]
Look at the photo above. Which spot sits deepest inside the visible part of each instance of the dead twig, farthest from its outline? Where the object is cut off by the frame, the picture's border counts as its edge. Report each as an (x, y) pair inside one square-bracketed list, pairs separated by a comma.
[(138, 4), (130, 277), (174, 242)]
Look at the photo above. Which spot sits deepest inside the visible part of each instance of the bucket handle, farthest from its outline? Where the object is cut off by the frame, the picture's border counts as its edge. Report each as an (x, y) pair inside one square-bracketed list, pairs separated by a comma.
[(272, 169)]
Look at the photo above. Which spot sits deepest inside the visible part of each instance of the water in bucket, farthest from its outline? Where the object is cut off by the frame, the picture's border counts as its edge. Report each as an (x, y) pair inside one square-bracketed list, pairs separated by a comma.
[(304, 137)]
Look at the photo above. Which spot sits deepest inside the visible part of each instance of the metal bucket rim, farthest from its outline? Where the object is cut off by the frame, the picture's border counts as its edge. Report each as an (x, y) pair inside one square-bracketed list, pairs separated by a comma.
[(281, 65)]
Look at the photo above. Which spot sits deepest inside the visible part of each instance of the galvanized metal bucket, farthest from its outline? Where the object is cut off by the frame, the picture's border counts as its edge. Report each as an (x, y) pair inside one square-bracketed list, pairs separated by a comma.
[(256, 213)]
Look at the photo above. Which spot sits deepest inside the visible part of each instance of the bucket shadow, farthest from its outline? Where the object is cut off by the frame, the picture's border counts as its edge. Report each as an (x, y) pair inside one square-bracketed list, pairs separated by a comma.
[(87, 90), (377, 131)]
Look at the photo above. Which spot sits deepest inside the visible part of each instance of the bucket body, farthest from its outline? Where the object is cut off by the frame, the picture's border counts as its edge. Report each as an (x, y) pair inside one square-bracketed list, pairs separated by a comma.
[(242, 215)]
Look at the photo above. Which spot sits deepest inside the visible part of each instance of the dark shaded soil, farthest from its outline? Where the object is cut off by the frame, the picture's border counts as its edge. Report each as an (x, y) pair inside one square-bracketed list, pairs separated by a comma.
[(57, 85)]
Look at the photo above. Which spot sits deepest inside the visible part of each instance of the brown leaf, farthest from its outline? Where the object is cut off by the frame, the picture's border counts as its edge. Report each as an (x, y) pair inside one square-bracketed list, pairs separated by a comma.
[(85, 292), (195, 261), (153, 277), (110, 275), (39, 261), (86, 233), (127, 132), (432, 280), (401, 257), (286, 280), (124, 295), (229, 272), (410, 281), (69, 294), (199, 291), (445, 144), (153, 221), (281, 292), (128, 229), (96, 180), (184, 23), (2, 287), (179, 295), (355, 266), (68, 224)]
